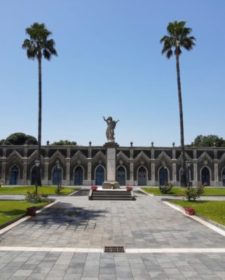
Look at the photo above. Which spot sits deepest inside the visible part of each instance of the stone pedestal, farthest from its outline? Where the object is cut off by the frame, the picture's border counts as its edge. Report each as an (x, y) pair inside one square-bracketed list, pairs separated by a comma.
[(111, 165)]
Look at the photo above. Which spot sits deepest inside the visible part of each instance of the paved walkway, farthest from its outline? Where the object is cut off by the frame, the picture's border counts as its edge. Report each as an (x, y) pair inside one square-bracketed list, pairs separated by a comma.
[(50, 245)]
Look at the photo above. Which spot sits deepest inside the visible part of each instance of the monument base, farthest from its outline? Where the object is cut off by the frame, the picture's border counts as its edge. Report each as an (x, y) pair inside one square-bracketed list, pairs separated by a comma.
[(111, 185)]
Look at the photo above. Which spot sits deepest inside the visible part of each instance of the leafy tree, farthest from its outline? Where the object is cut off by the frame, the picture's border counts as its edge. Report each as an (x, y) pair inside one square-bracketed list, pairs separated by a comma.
[(38, 46), (64, 142), (208, 141), (176, 39), (20, 138)]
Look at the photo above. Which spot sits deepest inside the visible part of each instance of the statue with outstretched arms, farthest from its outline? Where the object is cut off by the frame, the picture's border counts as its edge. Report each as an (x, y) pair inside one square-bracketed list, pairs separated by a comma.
[(111, 125)]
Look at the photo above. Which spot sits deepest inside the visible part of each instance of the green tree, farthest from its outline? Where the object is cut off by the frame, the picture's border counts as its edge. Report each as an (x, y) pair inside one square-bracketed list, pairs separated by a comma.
[(208, 141), (64, 142), (20, 138), (178, 38), (38, 46)]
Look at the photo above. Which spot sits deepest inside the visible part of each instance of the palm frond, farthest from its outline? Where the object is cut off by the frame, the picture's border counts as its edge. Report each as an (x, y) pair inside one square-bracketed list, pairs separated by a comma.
[(38, 44), (177, 38)]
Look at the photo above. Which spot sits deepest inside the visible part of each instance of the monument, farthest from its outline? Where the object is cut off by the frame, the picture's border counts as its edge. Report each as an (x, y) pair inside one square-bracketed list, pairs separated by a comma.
[(111, 146)]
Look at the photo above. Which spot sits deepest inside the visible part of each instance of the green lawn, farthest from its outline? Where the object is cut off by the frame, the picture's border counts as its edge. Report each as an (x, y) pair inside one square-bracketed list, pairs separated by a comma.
[(47, 190), (178, 191), (10, 210), (212, 210)]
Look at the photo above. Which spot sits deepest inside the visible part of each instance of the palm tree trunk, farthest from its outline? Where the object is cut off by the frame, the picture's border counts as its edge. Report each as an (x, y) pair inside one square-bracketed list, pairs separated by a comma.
[(183, 162), (39, 112)]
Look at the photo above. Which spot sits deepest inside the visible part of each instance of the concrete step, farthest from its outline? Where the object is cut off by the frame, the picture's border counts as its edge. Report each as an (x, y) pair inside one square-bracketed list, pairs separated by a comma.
[(111, 195)]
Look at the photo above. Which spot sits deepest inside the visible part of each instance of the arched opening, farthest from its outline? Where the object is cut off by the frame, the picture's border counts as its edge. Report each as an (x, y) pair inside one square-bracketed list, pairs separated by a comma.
[(78, 176), (121, 176), (99, 175), (223, 176), (33, 176), (163, 176), (14, 174), (205, 176), (57, 175), (142, 176)]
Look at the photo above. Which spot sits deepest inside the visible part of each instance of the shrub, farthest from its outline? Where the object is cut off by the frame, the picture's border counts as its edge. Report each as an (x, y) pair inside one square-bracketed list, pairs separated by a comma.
[(35, 198), (166, 188), (192, 193)]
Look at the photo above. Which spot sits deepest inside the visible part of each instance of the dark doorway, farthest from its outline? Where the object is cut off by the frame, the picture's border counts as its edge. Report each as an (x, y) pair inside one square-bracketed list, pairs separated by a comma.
[(163, 176), (78, 176), (142, 176), (57, 176), (33, 176), (121, 176), (99, 175), (14, 173), (205, 177), (223, 177)]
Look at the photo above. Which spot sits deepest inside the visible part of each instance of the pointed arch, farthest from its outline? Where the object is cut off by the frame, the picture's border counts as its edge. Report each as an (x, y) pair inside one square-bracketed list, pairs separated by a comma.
[(78, 156), (57, 156), (99, 156), (99, 174), (14, 174), (163, 175), (205, 156), (142, 156), (78, 175), (122, 156), (205, 175), (14, 155), (56, 175), (163, 156), (121, 175), (142, 175)]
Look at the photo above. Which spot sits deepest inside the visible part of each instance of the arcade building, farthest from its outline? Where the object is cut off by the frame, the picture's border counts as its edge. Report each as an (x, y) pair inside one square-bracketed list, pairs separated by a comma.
[(86, 165)]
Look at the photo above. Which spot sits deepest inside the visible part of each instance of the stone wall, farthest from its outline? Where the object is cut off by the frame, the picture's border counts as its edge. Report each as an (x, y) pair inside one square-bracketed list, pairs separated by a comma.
[(134, 165)]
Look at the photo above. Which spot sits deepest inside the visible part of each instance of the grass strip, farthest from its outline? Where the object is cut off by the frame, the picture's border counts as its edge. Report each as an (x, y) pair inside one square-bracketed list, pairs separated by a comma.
[(178, 191), (46, 190), (211, 210), (11, 210)]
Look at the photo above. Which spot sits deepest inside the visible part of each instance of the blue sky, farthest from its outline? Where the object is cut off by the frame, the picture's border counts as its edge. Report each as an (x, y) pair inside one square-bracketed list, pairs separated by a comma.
[(109, 63)]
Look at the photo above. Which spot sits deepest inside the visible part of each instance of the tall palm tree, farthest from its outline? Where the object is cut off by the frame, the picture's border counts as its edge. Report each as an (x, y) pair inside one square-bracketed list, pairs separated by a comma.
[(38, 46), (178, 38)]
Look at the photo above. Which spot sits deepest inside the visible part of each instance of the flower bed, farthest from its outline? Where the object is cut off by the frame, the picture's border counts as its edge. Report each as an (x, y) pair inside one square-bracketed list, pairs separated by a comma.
[(129, 188), (189, 210), (94, 188), (31, 211)]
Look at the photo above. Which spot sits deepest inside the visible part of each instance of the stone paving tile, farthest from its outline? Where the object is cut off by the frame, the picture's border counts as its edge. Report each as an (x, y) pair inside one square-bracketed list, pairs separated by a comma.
[(145, 223), (78, 222), (114, 266)]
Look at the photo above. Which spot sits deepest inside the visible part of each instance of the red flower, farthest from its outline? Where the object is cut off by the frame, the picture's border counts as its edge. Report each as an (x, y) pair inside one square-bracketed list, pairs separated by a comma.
[(129, 188), (189, 210), (94, 188)]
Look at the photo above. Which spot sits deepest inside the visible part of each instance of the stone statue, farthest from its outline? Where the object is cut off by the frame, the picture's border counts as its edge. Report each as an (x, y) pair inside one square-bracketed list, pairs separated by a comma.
[(111, 125)]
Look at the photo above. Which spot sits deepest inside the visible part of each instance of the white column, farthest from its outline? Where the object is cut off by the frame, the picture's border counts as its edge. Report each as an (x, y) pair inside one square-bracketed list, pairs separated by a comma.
[(89, 171), (46, 164), (24, 180), (111, 164), (3, 178), (131, 181), (68, 171), (216, 174), (174, 173), (195, 174), (153, 182)]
